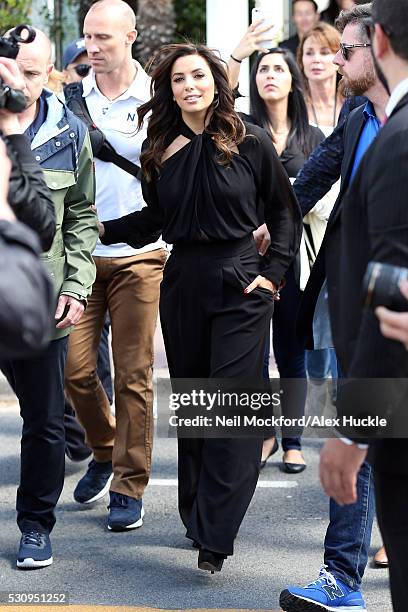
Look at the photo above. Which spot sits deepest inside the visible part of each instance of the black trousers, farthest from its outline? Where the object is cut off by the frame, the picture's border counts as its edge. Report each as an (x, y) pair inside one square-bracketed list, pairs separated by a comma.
[(213, 330), (391, 485), (39, 385)]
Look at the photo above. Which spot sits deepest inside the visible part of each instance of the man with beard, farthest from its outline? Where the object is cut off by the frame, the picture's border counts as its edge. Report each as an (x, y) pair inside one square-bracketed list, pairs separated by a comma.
[(348, 535)]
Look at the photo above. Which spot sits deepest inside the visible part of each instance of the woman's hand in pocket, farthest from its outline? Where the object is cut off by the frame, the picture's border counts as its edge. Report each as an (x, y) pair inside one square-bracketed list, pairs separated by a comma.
[(264, 283)]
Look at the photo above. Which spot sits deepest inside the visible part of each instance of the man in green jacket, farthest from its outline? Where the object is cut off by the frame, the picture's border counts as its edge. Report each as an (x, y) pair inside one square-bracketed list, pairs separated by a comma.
[(61, 146)]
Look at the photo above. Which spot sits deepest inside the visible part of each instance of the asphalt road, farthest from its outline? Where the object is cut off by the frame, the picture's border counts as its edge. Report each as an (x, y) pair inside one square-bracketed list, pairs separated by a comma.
[(280, 541)]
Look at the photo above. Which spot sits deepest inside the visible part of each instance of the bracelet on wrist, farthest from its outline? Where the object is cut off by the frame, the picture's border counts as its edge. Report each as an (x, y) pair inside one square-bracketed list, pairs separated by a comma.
[(235, 59)]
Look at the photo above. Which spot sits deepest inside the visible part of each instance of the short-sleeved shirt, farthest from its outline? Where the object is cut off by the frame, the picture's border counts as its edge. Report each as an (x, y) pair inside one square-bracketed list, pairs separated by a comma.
[(118, 193)]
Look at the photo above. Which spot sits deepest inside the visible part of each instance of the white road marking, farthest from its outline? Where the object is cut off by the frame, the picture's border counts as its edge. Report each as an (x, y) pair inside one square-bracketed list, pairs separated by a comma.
[(262, 484)]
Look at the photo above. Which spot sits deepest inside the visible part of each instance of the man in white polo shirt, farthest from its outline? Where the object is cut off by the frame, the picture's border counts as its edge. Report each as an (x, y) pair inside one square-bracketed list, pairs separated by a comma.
[(127, 283)]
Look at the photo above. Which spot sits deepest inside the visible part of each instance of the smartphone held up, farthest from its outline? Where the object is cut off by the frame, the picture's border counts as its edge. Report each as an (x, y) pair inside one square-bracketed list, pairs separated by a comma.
[(266, 17)]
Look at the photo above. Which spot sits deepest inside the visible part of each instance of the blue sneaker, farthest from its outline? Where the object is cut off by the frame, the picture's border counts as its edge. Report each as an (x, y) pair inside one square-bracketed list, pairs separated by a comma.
[(326, 594), (95, 484), (124, 512), (35, 549)]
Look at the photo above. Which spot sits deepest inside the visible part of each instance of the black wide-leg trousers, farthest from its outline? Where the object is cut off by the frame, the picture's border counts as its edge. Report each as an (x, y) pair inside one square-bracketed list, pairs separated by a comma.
[(213, 330)]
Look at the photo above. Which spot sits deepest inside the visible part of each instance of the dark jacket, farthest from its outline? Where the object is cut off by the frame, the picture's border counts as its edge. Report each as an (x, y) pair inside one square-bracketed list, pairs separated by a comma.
[(26, 301), (63, 150), (291, 43), (323, 168), (374, 227), (29, 196)]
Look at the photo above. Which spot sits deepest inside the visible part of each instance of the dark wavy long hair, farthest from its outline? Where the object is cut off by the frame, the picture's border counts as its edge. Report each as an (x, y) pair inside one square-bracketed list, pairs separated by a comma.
[(225, 126), (300, 130)]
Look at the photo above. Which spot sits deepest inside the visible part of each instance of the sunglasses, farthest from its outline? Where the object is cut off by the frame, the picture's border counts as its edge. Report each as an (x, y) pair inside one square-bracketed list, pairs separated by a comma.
[(345, 49), (82, 70)]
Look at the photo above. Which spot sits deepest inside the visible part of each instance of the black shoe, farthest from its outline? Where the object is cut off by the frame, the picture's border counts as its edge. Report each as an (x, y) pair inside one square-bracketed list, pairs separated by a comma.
[(95, 484), (294, 468), (210, 561), (273, 450), (124, 512), (35, 549)]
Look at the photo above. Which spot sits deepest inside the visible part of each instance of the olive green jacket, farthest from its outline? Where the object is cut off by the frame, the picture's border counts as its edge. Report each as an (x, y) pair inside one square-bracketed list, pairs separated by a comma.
[(63, 149)]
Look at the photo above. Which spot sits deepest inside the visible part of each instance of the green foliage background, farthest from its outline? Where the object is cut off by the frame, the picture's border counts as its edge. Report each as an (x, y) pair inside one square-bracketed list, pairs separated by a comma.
[(191, 18), (13, 12), (190, 15)]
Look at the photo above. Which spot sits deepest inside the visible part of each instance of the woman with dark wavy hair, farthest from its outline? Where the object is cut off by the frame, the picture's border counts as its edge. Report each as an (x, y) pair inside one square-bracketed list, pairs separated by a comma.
[(205, 174)]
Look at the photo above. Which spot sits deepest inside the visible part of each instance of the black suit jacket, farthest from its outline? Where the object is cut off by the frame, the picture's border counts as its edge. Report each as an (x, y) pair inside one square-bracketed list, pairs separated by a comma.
[(327, 261), (372, 225), (374, 228), (291, 43)]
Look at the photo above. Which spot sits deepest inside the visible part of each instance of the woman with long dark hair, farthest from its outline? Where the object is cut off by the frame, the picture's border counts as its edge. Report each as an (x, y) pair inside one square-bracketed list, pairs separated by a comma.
[(278, 105), (205, 175)]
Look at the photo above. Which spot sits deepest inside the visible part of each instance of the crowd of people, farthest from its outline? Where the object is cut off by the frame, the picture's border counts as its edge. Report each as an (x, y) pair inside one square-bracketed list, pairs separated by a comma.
[(270, 218)]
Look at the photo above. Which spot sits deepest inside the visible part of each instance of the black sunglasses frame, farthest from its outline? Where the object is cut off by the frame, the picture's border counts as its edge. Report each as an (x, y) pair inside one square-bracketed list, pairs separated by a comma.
[(346, 48), (82, 70)]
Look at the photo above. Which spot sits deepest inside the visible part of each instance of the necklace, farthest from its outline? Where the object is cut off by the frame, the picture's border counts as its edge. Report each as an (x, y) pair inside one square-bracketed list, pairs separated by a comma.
[(119, 95), (281, 133), (116, 97), (334, 113)]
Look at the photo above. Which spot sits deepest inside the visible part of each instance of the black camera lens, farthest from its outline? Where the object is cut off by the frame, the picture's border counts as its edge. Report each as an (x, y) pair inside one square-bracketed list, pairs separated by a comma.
[(82, 70), (381, 286)]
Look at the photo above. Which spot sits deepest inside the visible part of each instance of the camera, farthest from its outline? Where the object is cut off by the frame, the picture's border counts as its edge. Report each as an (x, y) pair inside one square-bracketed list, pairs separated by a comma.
[(381, 286), (13, 99)]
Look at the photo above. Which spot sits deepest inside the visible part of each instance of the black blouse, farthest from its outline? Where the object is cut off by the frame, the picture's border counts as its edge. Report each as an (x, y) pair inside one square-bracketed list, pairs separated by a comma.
[(293, 158), (198, 199)]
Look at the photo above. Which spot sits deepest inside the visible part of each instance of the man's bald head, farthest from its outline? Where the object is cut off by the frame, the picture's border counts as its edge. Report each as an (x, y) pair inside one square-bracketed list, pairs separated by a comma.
[(34, 61), (109, 33), (117, 10), (41, 45)]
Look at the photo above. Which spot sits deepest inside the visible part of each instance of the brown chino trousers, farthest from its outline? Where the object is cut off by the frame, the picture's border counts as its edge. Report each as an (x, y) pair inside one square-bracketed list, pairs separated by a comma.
[(129, 288)]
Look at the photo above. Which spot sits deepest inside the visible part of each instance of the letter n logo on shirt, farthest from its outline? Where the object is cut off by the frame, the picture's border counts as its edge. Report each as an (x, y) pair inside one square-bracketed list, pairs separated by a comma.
[(131, 116)]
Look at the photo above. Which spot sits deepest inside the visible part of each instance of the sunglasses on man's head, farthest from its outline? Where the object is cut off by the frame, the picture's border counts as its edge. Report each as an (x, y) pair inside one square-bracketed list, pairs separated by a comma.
[(82, 70), (345, 49)]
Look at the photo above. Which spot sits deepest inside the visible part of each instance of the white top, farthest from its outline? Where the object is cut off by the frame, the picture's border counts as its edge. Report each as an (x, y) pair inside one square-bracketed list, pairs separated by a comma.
[(326, 129), (118, 193), (398, 93), (317, 219)]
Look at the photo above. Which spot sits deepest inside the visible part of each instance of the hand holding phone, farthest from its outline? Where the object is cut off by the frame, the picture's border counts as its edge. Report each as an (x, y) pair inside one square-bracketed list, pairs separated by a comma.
[(266, 26)]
